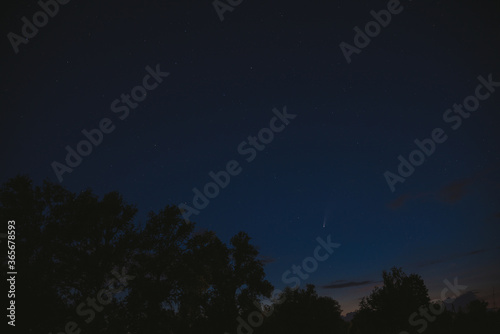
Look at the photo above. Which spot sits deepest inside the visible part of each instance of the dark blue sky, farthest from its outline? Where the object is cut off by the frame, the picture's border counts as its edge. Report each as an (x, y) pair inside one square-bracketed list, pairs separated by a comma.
[(326, 168)]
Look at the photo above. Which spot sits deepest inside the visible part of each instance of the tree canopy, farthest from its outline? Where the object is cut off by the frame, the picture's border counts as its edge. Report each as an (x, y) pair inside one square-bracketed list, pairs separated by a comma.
[(88, 265), (88, 268)]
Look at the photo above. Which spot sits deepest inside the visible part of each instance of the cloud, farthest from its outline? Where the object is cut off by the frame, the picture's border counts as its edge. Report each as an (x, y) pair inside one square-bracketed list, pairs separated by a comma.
[(455, 191), (450, 193), (405, 198), (454, 256), (266, 259), (399, 202), (341, 285)]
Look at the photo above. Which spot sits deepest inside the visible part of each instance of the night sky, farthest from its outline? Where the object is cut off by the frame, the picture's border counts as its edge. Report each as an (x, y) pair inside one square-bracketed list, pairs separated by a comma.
[(324, 173)]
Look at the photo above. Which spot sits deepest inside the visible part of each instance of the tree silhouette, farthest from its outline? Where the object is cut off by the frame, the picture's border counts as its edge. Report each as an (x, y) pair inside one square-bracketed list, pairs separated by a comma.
[(84, 267), (94, 271), (477, 319), (67, 246), (388, 308), (300, 311)]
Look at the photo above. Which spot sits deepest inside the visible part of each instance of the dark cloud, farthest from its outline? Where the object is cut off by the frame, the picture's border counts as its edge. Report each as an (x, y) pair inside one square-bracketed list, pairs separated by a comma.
[(450, 193), (341, 285), (266, 259), (454, 256), (476, 252), (399, 202), (455, 191)]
